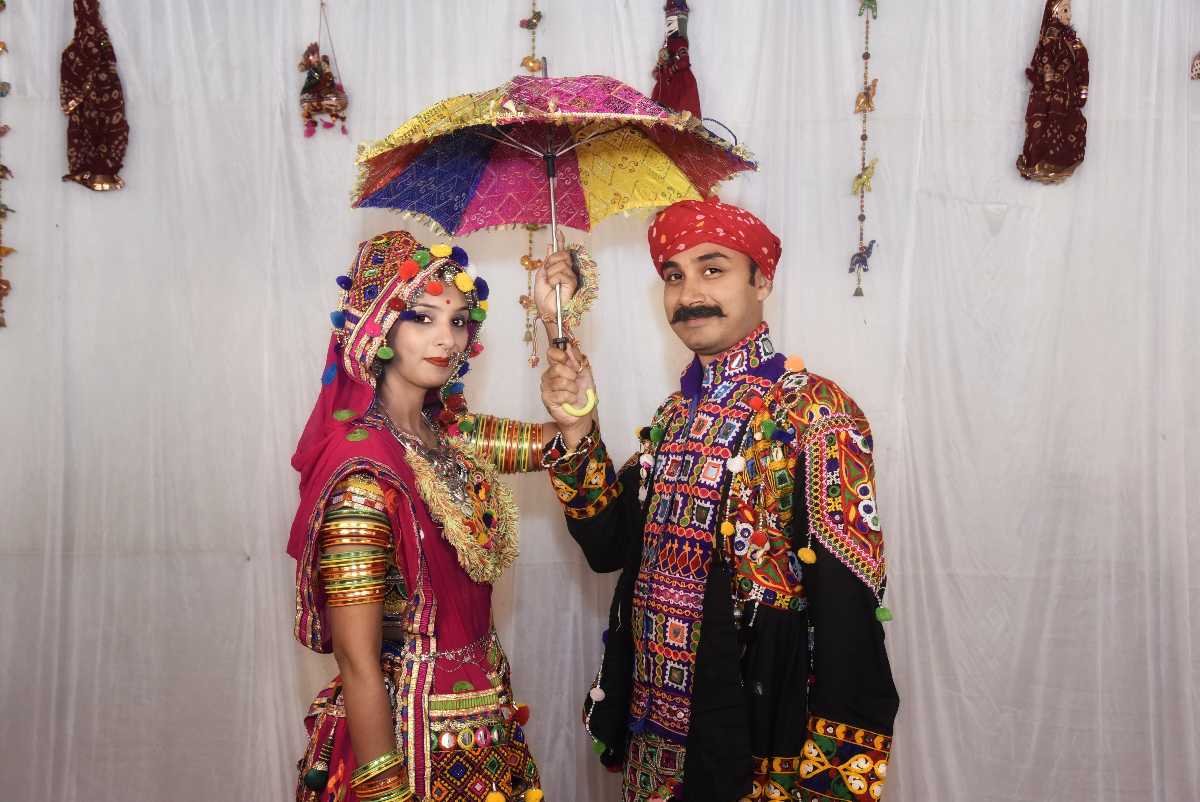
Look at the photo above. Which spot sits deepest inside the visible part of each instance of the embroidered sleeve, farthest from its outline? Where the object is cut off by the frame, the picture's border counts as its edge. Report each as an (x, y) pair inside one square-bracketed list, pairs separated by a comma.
[(840, 495), (511, 446), (355, 542), (841, 762), (583, 479)]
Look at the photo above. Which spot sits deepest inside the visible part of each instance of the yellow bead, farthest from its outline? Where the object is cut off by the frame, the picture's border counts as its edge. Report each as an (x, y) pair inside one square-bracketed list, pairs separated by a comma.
[(726, 528), (807, 556), (464, 282), (440, 251)]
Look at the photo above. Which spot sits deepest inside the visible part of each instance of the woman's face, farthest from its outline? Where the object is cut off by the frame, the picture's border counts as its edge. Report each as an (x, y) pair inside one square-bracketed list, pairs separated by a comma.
[(427, 345)]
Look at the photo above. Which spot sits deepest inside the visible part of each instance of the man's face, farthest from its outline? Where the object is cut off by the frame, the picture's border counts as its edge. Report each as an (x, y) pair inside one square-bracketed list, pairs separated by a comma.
[(710, 300)]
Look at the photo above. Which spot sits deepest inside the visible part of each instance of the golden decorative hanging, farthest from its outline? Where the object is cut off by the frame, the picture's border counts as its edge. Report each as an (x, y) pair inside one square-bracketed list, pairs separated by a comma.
[(531, 62), (864, 105)]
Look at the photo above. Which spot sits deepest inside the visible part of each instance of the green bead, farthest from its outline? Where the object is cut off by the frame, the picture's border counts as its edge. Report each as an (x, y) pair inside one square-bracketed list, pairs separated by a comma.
[(421, 257), (599, 747), (883, 614), (385, 353), (466, 425), (343, 415), (768, 428), (315, 779), (656, 434), (358, 435), (478, 314)]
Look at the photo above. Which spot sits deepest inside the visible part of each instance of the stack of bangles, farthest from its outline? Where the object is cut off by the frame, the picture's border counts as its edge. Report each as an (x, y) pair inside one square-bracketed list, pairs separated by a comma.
[(512, 446), (387, 789), (354, 577)]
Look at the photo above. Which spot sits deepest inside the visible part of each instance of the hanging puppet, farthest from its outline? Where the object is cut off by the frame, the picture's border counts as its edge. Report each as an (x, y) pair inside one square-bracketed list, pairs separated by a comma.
[(1055, 128), (674, 83), (323, 99), (91, 97)]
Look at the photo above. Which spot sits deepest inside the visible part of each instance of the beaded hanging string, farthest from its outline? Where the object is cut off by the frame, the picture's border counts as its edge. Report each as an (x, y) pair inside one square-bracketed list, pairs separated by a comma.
[(864, 105), (531, 266), (531, 62), (5, 174)]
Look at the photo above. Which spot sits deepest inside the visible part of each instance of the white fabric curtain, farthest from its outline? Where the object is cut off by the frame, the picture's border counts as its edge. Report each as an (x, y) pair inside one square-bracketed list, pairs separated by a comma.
[(1027, 356)]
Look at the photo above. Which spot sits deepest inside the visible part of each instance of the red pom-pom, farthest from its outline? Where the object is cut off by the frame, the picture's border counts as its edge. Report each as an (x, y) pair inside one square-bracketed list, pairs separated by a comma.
[(435, 288), (409, 270), (476, 349), (521, 716), (755, 402)]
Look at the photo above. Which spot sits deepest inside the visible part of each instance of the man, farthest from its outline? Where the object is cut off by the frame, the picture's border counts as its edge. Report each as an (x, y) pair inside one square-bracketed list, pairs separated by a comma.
[(745, 656)]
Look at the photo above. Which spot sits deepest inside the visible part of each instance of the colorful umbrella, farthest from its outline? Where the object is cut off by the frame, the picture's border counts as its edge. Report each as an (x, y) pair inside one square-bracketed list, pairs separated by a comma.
[(482, 160)]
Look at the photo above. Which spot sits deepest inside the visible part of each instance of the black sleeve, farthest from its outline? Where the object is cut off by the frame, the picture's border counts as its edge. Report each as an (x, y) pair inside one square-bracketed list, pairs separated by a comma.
[(606, 536)]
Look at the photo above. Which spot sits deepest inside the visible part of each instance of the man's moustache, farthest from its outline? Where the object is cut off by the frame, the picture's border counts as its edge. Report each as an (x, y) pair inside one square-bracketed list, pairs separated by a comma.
[(693, 312)]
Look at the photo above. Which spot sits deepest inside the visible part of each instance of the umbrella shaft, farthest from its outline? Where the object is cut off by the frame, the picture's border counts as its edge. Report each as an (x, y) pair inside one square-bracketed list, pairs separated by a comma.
[(559, 341)]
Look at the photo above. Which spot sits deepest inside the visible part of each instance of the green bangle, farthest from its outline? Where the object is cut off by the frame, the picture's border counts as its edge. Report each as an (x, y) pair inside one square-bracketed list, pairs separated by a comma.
[(379, 765)]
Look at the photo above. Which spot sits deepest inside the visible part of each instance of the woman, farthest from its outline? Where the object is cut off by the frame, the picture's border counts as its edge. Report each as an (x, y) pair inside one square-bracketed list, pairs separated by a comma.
[(402, 529)]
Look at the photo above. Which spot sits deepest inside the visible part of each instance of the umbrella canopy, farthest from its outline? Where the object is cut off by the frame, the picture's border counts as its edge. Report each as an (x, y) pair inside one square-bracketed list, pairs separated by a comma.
[(571, 151)]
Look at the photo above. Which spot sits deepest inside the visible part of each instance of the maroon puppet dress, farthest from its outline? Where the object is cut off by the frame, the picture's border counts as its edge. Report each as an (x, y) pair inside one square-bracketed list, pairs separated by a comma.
[(1055, 128), (92, 99)]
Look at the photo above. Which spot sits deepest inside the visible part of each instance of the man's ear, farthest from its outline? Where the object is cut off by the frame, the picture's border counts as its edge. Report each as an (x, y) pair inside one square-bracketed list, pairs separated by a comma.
[(762, 286)]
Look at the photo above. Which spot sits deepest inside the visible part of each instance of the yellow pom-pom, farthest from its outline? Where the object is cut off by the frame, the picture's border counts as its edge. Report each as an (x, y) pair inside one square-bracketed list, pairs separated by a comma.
[(534, 795), (726, 528), (464, 282), (440, 251), (807, 556), (483, 305), (495, 796), (794, 364)]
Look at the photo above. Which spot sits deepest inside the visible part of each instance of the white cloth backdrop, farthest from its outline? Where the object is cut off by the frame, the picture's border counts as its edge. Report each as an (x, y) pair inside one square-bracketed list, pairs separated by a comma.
[(1027, 355)]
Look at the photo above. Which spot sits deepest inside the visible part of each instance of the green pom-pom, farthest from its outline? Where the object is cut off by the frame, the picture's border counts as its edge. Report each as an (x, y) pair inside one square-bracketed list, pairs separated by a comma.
[(315, 779), (478, 315), (385, 353), (768, 428), (358, 435), (883, 614), (466, 425), (656, 434), (599, 747), (421, 257), (343, 415)]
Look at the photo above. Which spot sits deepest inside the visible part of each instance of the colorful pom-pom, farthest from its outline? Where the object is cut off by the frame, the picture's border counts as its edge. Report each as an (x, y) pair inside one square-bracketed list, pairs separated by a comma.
[(756, 402), (599, 747), (736, 464), (783, 436), (409, 269), (478, 315), (883, 614), (727, 528), (421, 257), (596, 694), (463, 282), (372, 329), (330, 373), (483, 305), (482, 291), (343, 282), (456, 389), (435, 287), (794, 364), (495, 796), (459, 256), (466, 425), (385, 353), (807, 556), (768, 428), (338, 319), (463, 369), (534, 795), (656, 434), (439, 251), (476, 349), (408, 314)]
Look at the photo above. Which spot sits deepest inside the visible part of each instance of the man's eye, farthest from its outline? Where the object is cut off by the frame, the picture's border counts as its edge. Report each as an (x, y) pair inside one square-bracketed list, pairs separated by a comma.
[(713, 271), (673, 277)]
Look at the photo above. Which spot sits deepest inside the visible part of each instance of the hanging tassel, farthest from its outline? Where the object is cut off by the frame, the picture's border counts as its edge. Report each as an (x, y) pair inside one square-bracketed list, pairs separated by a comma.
[(674, 84)]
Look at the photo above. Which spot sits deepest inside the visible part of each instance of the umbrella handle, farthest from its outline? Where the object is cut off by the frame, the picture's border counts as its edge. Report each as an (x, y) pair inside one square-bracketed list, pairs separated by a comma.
[(577, 412)]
